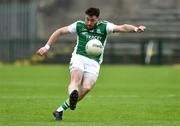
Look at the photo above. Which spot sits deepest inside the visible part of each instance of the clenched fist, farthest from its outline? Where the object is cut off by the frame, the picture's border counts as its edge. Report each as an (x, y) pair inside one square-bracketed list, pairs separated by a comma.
[(43, 50), (140, 29)]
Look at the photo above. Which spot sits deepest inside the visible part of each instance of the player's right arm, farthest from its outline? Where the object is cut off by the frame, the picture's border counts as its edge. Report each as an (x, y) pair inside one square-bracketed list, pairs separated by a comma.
[(53, 38)]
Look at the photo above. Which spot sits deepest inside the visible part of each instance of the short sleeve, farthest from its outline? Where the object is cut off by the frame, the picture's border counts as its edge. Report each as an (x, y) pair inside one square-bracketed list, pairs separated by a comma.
[(110, 27), (72, 28)]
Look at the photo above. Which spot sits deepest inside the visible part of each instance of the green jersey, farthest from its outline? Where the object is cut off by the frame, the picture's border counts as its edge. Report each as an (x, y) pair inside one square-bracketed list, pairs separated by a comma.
[(100, 32)]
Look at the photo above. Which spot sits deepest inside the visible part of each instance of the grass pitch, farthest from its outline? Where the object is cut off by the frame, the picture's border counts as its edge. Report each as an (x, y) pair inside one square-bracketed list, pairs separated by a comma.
[(123, 95)]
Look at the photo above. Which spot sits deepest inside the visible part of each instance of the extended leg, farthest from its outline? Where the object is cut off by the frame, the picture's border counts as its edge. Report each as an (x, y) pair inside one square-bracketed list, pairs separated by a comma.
[(76, 77)]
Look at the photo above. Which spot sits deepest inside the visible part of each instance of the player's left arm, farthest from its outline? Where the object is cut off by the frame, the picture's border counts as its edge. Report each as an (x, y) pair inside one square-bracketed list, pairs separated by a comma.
[(129, 28)]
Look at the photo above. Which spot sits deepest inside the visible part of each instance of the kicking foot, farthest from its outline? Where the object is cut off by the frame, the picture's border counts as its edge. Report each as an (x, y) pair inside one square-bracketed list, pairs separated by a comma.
[(58, 115), (73, 99)]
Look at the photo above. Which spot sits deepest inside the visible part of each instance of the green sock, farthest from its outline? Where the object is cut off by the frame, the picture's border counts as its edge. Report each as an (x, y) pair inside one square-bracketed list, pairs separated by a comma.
[(64, 106)]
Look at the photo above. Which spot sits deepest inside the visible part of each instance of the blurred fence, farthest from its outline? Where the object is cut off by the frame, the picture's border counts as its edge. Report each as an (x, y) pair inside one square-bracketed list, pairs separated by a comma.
[(19, 38), (17, 28), (123, 51), (156, 51), (143, 51)]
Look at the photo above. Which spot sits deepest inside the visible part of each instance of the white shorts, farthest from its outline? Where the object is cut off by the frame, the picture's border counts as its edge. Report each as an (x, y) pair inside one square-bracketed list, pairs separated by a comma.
[(89, 67)]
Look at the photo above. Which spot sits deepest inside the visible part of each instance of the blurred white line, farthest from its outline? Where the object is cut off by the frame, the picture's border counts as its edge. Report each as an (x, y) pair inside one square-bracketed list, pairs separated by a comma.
[(91, 96)]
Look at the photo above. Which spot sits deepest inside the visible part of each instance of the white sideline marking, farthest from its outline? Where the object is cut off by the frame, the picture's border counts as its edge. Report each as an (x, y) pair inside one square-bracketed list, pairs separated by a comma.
[(89, 96), (133, 96)]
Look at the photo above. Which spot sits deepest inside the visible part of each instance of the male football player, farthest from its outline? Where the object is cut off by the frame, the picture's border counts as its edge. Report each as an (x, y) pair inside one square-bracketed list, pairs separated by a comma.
[(84, 69)]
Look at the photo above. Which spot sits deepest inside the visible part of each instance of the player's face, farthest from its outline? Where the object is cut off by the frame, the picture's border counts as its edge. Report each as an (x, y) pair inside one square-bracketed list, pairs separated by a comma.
[(91, 21)]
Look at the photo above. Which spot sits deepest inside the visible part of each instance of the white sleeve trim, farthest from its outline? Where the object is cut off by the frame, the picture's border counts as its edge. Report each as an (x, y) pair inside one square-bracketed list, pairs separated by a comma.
[(72, 28), (110, 27)]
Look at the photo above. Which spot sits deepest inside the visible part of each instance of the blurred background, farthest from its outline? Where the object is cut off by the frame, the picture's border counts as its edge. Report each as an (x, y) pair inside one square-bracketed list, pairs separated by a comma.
[(25, 26), (145, 95)]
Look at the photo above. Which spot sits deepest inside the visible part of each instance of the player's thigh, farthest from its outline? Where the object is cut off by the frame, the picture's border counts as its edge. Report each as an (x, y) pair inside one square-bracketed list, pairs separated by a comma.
[(76, 69), (91, 70), (76, 76)]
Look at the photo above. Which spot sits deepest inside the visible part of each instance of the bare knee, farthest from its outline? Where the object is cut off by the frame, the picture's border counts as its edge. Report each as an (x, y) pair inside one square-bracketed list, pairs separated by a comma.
[(83, 91), (87, 88), (87, 84)]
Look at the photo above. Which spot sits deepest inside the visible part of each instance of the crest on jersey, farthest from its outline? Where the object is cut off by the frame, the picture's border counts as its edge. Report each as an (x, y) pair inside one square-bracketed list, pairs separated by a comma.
[(98, 31)]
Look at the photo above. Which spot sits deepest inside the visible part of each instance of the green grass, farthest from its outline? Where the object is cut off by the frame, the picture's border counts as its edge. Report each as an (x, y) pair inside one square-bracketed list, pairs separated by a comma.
[(123, 95)]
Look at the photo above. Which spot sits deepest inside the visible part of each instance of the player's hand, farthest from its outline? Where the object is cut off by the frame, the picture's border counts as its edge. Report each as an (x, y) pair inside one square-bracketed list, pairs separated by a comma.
[(141, 29), (42, 51)]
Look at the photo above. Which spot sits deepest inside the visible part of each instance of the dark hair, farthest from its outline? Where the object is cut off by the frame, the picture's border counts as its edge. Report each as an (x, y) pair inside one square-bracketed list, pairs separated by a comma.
[(93, 12)]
